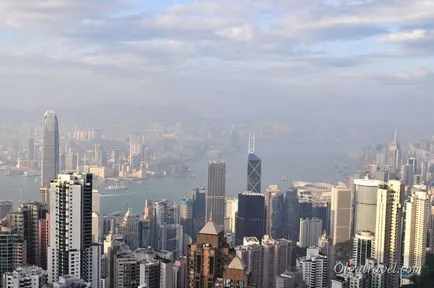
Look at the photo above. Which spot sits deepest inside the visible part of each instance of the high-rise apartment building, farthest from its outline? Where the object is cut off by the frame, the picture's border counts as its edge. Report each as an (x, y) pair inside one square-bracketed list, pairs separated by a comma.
[(250, 253), (25, 277), (275, 259), (310, 232), (12, 250), (365, 204), (70, 250), (314, 268), (31, 222), (5, 208), (254, 168), (275, 212), (363, 247), (50, 149), (341, 213), (250, 219), (417, 219), (388, 232), (215, 206)]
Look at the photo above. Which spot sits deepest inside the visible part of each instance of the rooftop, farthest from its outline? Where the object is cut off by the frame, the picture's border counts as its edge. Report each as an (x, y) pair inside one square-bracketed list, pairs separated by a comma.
[(236, 263), (210, 228)]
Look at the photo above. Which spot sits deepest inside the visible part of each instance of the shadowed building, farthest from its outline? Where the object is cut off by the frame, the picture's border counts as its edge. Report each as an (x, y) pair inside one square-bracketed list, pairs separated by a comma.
[(215, 202), (250, 219)]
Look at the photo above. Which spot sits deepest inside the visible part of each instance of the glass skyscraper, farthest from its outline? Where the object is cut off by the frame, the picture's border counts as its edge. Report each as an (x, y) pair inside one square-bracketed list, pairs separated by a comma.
[(50, 149), (254, 173), (250, 219)]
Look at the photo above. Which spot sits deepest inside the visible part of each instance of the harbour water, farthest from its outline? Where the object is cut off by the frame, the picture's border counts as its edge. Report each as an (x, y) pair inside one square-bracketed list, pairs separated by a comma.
[(280, 158)]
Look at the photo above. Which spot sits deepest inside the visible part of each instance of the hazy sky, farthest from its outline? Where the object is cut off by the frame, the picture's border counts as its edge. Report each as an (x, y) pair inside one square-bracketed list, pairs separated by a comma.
[(203, 52)]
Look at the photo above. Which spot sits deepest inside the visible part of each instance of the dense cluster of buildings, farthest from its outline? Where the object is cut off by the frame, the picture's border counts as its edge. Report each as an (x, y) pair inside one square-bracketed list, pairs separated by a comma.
[(261, 238)]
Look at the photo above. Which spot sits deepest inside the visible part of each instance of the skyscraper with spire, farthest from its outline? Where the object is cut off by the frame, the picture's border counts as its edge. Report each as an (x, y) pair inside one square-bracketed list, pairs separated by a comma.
[(394, 153), (50, 149), (254, 165)]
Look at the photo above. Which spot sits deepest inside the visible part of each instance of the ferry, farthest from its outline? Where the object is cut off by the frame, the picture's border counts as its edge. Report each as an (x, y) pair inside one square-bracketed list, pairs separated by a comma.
[(32, 173), (116, 188)]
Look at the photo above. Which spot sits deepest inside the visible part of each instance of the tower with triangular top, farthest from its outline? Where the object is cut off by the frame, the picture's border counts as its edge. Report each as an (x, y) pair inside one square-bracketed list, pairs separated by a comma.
[(394, 153), (254, 167)]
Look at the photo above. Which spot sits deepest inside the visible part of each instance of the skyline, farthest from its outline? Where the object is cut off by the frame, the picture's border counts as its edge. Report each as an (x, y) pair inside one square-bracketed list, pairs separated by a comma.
[(123, 51)]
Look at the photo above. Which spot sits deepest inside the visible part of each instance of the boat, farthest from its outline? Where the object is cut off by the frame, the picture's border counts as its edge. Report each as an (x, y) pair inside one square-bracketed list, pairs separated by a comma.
[(116, 187), (32, 173)]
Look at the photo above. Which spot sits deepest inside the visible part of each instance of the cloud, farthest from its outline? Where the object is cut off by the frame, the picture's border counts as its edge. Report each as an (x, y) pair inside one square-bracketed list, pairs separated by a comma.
[(273, 43), (404, 36)]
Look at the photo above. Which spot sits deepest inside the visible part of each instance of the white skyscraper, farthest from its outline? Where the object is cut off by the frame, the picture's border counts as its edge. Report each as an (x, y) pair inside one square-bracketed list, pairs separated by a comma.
[(50, 149), (388, 231), (314, 268), (417, 214), (310, 232), (70, 250), (363, 247)]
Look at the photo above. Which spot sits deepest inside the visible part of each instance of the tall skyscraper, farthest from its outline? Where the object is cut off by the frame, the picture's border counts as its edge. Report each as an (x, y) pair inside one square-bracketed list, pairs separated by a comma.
[(394, 153), (70, 249), (215, 205), (199, 210), (231, 209), (310, 232), (5, 208), (291, 215), (275, 212), (365, 204), (131, 230), (388, 231), (250, 219), (417, 219), (254, 166), (341, 213), (363, 247), (186, 216), (50, 149)]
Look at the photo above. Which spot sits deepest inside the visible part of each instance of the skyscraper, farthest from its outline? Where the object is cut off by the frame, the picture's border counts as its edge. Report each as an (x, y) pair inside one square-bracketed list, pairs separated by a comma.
[(341, 213), (275, 212), (205, 257), (12, 250), (365, 204), (186, 216), (215, 205), (417, 214), (394, 153), (363, 247), (310, 231), (199, 210), (388, 230), (50, 149), (250, 218), (250, 253), (254, 166), (70, 249), (314, 268)]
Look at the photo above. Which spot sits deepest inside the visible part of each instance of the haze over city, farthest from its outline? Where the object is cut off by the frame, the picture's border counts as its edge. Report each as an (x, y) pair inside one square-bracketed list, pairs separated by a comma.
[(216, 143)]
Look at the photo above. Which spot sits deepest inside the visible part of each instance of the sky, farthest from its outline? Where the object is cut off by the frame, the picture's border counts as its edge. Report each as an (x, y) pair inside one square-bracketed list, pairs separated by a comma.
[(214, 54)]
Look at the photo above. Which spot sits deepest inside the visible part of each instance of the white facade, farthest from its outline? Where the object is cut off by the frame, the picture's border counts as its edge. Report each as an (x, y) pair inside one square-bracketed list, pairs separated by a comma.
[(96, 201), (417, 216), (363, 247), (231, 210), (166, 273), (310, 232), (97, 227), (388, 231), (70, 228), (314, 268), (25, 277)]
